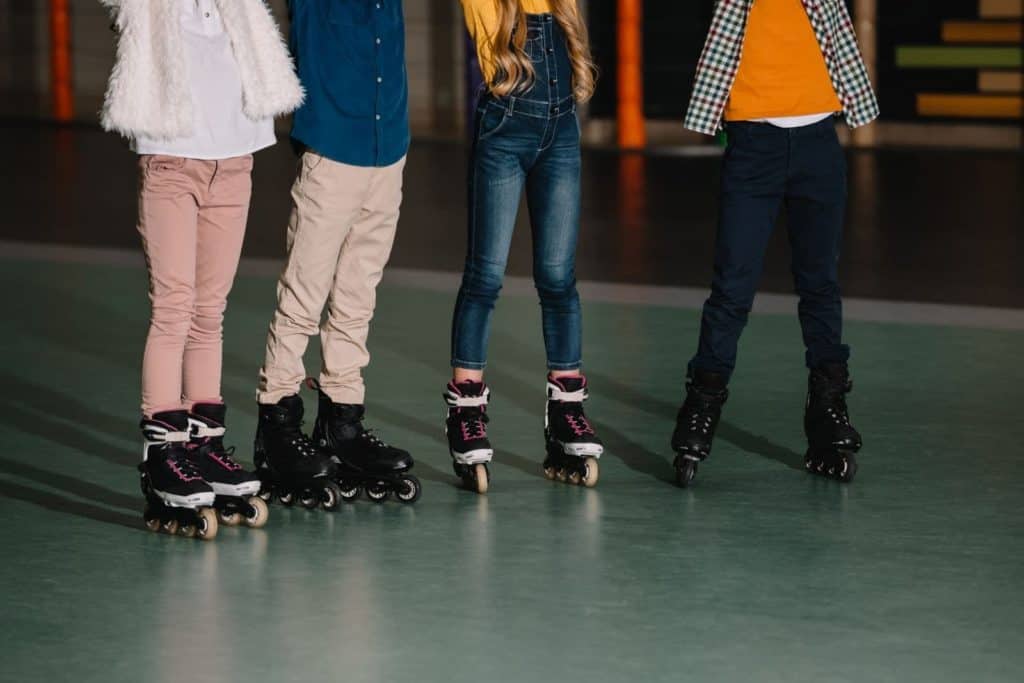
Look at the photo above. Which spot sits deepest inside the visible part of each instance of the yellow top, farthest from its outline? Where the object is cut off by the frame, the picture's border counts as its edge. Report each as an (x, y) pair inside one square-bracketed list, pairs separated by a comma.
[(482, 22), (782, 71)]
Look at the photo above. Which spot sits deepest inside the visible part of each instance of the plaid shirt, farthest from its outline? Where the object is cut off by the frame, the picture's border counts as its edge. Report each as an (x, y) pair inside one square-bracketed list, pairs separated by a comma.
[(720, 61)]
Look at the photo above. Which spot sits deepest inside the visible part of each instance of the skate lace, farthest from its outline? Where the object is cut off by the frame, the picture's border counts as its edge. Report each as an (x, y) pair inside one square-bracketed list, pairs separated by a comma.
[(473, 424), (214, 449), (702, 412), (183, 468), (833, 399), (303, 445), (577, 420), (371, 437)]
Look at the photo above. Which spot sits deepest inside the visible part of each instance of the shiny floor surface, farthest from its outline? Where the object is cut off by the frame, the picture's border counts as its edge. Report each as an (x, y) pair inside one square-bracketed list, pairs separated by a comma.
[(760, 572)]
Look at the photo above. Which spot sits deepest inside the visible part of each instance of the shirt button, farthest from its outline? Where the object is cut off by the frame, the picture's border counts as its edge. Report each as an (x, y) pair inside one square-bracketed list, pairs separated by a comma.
[(378, 41), (379, 79), (378, 117), (207, 15)]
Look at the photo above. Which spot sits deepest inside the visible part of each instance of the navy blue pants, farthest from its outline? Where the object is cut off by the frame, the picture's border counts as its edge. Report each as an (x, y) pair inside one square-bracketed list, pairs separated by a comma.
[(765, 169)]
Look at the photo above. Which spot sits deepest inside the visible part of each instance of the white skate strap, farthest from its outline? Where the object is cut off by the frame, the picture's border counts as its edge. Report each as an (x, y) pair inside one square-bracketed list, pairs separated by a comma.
[(202, 431), (556, 393), (154, 433), (458, 401)]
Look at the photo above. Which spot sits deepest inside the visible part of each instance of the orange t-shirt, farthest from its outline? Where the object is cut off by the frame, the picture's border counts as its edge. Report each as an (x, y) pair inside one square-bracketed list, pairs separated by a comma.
[(782, 71)]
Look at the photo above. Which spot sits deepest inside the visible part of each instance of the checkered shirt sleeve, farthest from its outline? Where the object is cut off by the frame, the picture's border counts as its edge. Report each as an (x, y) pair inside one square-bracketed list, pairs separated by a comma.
[(723, 49)]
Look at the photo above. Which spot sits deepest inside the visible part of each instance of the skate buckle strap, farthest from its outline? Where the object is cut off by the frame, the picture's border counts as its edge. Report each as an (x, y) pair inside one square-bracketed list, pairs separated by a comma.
[(556, 393), (202, 431), (459, 401), (154, 433)]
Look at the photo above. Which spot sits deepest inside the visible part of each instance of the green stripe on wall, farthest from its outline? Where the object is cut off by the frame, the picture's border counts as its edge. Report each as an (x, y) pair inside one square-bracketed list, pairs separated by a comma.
[(966, 57)]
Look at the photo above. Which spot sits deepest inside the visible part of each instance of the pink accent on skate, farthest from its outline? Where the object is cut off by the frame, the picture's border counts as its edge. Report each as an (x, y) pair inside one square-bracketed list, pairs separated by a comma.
[(473, 429), (181, 475), (229, 465), (579, 425)]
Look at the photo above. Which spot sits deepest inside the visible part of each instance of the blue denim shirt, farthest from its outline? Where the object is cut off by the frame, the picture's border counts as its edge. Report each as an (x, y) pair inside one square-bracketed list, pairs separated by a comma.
[(350, 56)]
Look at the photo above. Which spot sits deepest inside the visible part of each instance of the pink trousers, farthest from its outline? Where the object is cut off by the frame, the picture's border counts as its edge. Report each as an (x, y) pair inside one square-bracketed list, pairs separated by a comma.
[(192, 216)]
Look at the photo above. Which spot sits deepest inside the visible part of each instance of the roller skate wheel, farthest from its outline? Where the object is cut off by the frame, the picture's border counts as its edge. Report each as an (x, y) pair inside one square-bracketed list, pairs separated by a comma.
[(574, 478), (377, 492), (330, 497), (549, 472), (260, 513), (187, 530), (562, 475), (309, 499), (481, 478), (153, 525), (409, 489), (207, 526), (266, 495), (686, 470), (169, 526), (230, 518), (286, 498), (349, 492), (591, 473)]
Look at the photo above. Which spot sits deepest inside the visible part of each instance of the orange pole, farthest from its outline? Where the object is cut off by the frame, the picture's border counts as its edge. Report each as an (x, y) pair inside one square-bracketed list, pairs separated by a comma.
[(632, 132), (60, 61)]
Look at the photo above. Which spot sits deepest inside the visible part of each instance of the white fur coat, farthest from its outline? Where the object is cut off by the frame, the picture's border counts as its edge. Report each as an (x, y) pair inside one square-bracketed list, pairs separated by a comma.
[(148, 92)]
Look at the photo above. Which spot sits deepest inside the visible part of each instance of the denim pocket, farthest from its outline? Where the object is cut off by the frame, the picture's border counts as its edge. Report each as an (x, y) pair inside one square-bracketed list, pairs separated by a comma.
[(492, 119)]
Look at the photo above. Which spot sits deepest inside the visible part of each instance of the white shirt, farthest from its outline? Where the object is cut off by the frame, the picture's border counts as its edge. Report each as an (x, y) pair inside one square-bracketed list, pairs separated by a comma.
[(220, 129), (796, 121)]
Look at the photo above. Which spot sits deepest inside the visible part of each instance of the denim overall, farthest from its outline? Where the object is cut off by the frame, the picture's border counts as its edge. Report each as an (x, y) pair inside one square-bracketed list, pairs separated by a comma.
[(529, 140)]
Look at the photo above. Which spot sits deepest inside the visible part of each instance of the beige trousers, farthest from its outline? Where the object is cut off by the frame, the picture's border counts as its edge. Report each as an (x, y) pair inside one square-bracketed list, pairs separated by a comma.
[(192, 216), (340, 235)]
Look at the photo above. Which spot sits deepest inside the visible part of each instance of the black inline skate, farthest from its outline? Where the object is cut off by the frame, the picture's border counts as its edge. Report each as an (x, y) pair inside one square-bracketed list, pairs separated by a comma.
[(177, 499), (288, 464), (573, 448), (697, 421), (466, 429), (234, 487), (363, 460), (832, 440)]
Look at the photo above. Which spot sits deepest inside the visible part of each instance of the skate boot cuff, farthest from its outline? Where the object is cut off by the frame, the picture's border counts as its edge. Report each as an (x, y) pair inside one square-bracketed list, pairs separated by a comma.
[(567, 389), (467, 395)]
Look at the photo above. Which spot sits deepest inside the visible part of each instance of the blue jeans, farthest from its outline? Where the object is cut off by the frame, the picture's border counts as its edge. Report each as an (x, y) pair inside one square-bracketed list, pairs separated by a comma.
[(767, 168), (529, 142)]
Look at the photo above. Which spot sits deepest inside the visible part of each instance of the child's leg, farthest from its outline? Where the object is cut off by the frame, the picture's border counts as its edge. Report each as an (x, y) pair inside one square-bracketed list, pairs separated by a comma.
[(327, 198), (553, 195), (221, 229), (353, 298), (753, 184), (495, 189), (815, 205), (167, 223)]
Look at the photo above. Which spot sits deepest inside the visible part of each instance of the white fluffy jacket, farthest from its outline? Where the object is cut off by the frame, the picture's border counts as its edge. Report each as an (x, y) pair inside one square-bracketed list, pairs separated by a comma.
[(148, 93)]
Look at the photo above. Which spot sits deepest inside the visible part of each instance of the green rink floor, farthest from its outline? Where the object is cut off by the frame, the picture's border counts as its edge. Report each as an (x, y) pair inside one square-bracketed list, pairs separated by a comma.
[(760, 572)]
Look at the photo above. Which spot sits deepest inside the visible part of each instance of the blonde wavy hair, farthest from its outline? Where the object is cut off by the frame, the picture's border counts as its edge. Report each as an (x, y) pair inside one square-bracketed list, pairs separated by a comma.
[(514, 68)]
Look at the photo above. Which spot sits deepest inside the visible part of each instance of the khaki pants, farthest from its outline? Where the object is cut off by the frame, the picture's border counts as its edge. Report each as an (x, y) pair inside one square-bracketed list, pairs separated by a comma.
[(340, 235), (192, 216)]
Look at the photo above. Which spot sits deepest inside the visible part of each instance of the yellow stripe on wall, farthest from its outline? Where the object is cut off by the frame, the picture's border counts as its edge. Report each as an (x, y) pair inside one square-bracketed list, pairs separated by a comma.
[(1000, 81), (971, 106), (981, 32), (1001, 9)]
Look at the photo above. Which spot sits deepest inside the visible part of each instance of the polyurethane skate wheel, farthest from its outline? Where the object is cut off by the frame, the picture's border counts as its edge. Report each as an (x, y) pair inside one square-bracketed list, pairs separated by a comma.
[(549, 472), (591, 473), (686, 470), (481, 478), (309, 499), (286, 498), (153, 525), (330, 496), (260, 513), (230, 518), (187, 530), (850, 470), (207, 526), (169, 526), (409, 489), (562, 475), (377, 492), (349, 492)]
